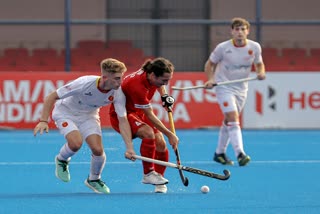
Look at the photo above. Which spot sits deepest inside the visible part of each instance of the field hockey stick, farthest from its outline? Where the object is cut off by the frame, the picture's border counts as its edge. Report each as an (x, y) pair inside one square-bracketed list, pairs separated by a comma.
[(225, 176), (216, 84), (184, 179)]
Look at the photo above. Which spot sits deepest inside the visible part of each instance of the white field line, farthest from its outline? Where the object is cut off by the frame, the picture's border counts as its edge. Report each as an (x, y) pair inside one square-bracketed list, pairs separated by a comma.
[(185, 163)]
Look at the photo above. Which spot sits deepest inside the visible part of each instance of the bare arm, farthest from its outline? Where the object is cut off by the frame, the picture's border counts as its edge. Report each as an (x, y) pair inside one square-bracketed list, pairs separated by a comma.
[(126, 134), (260, 70), (173, 139), (209, 69), (162, 90), (46, 110)]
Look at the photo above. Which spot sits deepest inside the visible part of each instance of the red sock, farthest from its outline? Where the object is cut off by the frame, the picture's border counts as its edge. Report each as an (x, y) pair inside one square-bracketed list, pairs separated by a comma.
[(147, 149), (163, 156)]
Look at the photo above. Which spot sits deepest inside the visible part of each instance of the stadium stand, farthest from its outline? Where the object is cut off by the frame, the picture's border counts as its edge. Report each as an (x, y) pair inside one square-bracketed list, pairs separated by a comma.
[(315, 52), (87, 54)]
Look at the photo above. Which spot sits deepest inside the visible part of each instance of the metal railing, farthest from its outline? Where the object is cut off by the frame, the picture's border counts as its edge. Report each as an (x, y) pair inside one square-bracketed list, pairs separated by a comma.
[(259, 22)]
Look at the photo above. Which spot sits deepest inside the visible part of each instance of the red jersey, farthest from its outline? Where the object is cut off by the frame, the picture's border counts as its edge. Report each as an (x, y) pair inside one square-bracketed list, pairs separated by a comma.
[(138, 92)]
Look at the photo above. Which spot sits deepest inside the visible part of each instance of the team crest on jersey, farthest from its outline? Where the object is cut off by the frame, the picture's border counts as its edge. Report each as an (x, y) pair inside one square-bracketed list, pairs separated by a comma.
[(111, 98), (225, 104), (138, 123), (250, 52), (64, 124)]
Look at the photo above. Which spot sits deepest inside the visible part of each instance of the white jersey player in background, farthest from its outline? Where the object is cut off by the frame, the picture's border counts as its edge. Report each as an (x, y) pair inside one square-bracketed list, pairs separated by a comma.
[(232, 60), (76, 114)]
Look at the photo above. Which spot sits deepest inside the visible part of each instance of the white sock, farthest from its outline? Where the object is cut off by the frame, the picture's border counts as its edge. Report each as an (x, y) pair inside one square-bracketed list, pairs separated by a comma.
[(223, 140), (65, 153), (97, 165), (235, 137)]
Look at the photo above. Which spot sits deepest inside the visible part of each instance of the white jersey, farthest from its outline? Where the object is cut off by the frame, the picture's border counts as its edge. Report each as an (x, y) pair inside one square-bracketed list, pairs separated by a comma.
[(235, 63), (82, 97)]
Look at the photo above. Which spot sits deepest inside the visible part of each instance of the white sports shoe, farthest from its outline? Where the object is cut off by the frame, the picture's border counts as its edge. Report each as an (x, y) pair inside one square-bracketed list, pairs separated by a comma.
[(154, 178), (161, 189)]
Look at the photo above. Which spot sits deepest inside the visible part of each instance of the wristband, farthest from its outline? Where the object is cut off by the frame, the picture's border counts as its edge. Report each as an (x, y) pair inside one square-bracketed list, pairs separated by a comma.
[(43, 121)]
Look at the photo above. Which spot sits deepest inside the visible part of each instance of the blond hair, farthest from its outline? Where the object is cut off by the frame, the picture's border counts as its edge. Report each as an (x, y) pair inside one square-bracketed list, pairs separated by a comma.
[(111, 65), (237, 21)]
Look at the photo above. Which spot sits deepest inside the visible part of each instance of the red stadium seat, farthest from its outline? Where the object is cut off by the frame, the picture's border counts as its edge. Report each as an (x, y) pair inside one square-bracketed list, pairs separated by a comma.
[(26, 61), (35, 68), (312, 63), (275, 63), (44, 52), (313, 68), (294, 52), (269, 52), (4, 68), (58, 68), (315, 52), (16, 52), (53, 61), (7, 61)]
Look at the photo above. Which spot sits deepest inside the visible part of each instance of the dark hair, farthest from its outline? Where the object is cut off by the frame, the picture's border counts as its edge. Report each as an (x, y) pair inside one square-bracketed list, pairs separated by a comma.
[(158, 66)]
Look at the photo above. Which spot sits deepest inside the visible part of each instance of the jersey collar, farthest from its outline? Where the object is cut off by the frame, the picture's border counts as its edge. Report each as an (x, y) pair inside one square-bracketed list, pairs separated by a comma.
[(100, 89), (235, 45)]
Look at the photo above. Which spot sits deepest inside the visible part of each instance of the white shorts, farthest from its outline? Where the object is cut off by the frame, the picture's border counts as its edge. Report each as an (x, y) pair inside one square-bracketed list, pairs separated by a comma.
[(86, 124), (229, 101)]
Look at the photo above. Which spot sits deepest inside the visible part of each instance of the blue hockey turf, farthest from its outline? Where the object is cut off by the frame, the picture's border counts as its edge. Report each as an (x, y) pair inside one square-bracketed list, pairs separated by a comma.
[(283, 176)]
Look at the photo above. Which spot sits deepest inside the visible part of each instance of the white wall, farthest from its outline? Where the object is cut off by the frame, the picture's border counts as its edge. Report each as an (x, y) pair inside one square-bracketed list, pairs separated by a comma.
[(288, 100)]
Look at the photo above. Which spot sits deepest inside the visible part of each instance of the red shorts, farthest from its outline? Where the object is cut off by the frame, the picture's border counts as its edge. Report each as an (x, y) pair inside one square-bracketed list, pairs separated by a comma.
[(135, 122)]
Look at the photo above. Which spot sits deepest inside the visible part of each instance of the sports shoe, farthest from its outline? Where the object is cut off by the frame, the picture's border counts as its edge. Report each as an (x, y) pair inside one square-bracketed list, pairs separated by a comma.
[(222, 158), (243, 159), (62, 170), (160, 188), (97, 186), (154, 178)]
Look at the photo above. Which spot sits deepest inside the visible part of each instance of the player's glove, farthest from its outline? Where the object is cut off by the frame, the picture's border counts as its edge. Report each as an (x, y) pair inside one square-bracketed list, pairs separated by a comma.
[(167, 101)]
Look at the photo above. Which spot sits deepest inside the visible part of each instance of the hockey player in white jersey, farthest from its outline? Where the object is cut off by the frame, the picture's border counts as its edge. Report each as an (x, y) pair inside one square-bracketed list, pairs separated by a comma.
[(75, 112), (231, 60)]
